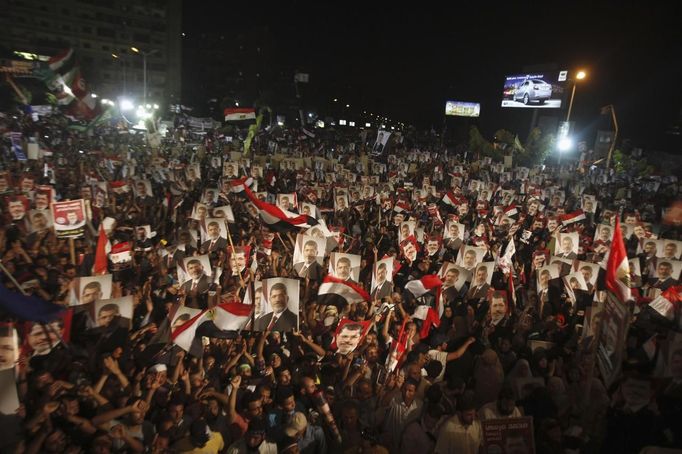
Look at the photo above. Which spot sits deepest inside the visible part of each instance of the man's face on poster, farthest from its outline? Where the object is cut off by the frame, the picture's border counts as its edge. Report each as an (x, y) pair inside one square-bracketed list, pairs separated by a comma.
[(381, 274), (255, 172), (213, 231), (42, 339), (106, 316), (278, 299), (348, 340), (544, 279), (587, 273), (141, 234), (605, 234), (42, 201), (410, 251), (341, 203), (630, 220), (451, 277), (86, 193), (3, 183), (432, 247), (454, 231), (26, 185), (343, 269), (16, 209), (229, 170), (39, 222), (141, 189), (498, 308), (566, 244), (650, 248), (72, 217), (664, 270), (238, 261), (469, 259), (310, 252), (481, 275), (8, 352), (552, 224), (91, 293), (670, 250), (195, 270)]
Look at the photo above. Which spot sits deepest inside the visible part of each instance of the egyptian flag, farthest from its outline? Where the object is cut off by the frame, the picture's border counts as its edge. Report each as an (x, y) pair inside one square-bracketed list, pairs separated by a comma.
[(570, 218), (119, 187), (434, 213), (103, 248), (401, 207), (238, 185), (240, 115), (450, 199), (232, 316), (511, 210), (184, 336), (277, 219), (398, 347), (618, 267), (419, 287), (429, 318), (339, 293)]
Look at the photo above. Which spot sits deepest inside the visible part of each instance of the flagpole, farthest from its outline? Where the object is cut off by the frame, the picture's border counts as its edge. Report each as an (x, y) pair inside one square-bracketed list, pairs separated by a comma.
[(229, 237), (11, 277)]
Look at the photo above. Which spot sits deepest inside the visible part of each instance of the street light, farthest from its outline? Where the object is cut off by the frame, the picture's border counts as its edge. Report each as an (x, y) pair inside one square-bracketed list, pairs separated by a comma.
[(144, 67), (579, 76)]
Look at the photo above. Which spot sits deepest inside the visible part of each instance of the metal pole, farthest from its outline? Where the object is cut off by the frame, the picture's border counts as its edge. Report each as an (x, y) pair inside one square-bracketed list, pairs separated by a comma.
[(144, 76), (615, 136), (570, 104)]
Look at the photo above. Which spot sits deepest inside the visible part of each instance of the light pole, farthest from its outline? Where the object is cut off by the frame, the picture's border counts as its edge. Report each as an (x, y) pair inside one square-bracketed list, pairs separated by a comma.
[(144, 69), (580, 76)]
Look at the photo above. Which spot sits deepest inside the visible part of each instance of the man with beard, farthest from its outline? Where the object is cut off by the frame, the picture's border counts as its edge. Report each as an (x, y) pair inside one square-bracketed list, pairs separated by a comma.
[(383, 287), (281, 318), (214, 242)]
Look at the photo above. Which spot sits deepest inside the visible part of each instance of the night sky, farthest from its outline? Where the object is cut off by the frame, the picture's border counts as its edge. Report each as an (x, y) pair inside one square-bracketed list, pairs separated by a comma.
[(405, 62)]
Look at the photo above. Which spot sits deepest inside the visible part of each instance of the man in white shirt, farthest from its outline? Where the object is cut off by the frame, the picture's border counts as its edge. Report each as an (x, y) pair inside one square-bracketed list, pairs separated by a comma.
[(461, 434), (402, 410), (503, 407)]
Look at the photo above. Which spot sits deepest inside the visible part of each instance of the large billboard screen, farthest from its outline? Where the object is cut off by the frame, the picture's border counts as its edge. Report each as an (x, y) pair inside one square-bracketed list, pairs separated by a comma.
[(462, 109), (536, 90)]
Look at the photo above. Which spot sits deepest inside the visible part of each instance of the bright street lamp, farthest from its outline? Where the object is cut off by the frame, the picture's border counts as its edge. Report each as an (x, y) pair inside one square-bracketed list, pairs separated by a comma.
[(579, 76), (565, 144), (126, 104), (144, 67)]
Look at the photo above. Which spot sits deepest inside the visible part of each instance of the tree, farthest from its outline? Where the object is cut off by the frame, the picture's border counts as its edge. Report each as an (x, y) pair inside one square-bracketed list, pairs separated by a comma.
[(537, 147), (480, 146)]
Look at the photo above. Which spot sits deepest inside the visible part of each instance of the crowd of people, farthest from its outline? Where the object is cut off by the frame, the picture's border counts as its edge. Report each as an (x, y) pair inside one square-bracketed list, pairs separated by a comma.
[(322, 294)]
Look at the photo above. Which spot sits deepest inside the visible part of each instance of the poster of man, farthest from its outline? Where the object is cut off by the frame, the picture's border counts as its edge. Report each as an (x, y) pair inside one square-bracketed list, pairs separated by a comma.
[(480, 281), (590, 272), (223, 212), (470, 256), (9, 346), (199, 212), (143, 189), (213, 235), (406, 229), (545, 274), (9, 397), (69, 218), (118, 311), (239, 259), (499, 307), (382, 279), (567, 246), (588, 203), (286, 201), (409, 248), (282, 297), (341, 202), (668, 249), (42, 198), (454, 276), (40, 220), (308, 209), (603, 234), (210, 196), (231, 169), (195, 274), (572, 282), (345, 267), (17, 207), (193, 172), (256, 172), (349, 334), (41, 338), (380, 142), (88, 289), (309, 256)]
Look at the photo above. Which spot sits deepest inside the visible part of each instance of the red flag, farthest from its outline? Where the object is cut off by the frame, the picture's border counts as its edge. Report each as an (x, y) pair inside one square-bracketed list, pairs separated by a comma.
[(430, 318), (618, 268), (103, 248)]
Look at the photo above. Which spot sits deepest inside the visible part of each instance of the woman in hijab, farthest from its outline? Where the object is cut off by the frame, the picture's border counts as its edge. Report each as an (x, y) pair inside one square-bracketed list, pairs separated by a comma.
[(488, 377)]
